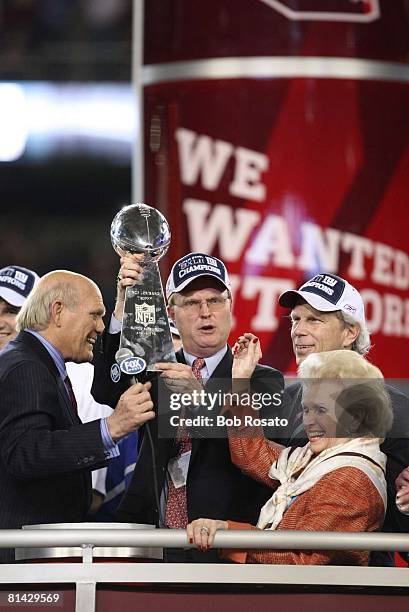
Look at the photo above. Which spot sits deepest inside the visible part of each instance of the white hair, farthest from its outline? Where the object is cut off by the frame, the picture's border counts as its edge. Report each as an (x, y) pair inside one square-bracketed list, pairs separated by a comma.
[(362, 342)]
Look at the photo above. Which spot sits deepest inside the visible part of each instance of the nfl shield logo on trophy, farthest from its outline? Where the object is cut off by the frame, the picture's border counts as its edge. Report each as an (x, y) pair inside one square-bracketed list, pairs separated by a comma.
[(145, 314)]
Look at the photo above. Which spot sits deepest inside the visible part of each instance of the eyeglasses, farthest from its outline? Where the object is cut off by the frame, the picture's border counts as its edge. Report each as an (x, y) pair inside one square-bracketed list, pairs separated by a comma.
[(214, 304)]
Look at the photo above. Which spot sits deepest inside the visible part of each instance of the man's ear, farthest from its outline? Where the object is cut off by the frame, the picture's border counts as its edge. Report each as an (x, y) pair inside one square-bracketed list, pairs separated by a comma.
[(171, 312), (56, 310), (351, 334)]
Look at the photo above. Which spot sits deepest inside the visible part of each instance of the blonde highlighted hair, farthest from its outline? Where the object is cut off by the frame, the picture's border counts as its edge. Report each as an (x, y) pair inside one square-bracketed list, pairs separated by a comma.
[(337, 364), (363, 394)]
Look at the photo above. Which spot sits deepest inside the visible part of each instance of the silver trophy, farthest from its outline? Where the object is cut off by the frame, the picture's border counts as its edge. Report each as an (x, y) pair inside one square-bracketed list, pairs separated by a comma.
[(145, 336)]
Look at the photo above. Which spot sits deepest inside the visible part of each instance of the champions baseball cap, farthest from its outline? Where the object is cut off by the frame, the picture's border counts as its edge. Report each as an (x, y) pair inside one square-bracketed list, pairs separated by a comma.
[(328, 293), (16, 283), (192, 266)]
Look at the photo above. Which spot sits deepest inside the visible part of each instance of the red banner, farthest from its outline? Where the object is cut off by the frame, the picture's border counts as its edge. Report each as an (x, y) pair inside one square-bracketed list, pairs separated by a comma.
[(276, 137)]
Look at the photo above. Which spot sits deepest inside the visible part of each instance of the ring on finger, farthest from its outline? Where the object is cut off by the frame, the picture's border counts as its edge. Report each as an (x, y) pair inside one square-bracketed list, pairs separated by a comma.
[(205, 529)]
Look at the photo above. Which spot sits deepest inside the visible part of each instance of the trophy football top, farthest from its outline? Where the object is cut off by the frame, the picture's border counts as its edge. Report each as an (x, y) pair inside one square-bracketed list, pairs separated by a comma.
[(139, 228)]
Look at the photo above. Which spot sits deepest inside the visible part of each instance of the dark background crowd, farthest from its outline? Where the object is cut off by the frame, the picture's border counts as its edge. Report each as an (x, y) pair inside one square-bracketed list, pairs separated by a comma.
[(56, 209), (65, 39)]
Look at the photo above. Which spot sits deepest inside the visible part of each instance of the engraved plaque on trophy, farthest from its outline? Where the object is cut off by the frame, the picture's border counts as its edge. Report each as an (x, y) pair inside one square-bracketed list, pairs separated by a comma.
[(145, 335)]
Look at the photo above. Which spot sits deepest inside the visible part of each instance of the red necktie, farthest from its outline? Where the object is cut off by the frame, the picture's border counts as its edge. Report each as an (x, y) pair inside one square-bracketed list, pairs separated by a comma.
[(176, 516), (71, 394)]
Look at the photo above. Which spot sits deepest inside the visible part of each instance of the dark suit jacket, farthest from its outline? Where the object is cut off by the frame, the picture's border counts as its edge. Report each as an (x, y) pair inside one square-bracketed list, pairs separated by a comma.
[(215, 487), (46, 453)]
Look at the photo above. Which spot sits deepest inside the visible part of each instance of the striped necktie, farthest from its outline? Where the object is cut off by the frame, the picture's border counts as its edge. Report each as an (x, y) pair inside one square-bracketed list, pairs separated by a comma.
[(71, 394)]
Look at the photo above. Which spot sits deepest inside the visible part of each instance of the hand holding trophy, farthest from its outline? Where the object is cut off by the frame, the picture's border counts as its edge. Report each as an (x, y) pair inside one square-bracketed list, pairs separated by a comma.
[(145, 335)]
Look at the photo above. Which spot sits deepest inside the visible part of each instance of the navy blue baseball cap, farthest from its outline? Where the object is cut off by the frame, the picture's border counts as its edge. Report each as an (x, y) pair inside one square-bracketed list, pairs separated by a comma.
[(16, 283), (327, 293), (193, 266)]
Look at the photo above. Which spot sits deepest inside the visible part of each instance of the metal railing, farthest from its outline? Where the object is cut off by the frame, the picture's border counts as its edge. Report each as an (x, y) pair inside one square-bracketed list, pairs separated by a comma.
[(176, 538), (86, 575)]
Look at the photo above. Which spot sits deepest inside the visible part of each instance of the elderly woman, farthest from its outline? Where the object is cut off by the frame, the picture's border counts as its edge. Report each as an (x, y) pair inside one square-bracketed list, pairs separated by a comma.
[(334, 483)]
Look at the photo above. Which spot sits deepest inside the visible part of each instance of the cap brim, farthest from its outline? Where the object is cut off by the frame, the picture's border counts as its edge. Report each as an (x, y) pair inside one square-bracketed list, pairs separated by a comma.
[(187, 282), (289, 299), (12, 297)]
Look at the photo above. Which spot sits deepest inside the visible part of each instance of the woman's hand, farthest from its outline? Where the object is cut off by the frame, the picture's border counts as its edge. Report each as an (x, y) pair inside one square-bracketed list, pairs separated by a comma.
[(129, 273), (202, 531), (247, 353)]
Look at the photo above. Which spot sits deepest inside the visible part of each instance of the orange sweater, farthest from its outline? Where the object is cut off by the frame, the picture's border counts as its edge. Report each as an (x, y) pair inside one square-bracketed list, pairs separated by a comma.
[(343, 500)]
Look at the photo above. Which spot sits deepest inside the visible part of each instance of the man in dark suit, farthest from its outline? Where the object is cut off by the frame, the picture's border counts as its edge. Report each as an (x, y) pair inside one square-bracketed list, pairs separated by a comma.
[(186, 476), (46, 453)]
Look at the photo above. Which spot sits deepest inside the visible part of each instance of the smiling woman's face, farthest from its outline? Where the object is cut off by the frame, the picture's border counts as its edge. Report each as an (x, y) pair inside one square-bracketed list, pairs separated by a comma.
[(320, 415)]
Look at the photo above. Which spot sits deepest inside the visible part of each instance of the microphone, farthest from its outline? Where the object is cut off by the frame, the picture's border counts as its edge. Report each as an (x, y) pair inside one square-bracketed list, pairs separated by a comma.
[(121, 356), (130, 365)]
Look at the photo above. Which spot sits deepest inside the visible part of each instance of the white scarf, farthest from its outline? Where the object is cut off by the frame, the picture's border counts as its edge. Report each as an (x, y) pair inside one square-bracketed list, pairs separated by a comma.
[(287, 470)]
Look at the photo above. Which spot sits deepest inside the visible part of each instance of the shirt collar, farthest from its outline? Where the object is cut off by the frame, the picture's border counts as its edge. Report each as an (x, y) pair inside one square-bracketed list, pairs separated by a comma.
[(53, 351), (211, 363)]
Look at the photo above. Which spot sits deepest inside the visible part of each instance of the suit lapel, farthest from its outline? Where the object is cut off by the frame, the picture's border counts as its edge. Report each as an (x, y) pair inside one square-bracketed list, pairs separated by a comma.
[(180, 356), (35, 346), (224, 367)]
